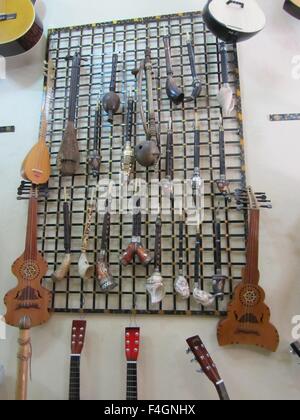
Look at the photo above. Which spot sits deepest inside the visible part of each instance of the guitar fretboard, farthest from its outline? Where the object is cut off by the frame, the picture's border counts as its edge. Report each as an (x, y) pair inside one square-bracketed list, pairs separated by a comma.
[(74, 389), (132, 391)]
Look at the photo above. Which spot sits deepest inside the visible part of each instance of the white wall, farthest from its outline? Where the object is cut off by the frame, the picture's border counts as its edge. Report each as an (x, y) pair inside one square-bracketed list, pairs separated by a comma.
[(273, 151)]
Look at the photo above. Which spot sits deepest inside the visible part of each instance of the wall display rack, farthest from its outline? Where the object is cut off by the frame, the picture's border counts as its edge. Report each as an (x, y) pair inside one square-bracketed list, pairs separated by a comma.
[(96, 44)]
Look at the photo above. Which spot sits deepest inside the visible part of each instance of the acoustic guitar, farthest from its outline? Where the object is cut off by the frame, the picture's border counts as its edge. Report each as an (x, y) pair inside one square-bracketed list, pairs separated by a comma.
[(36, 165), (232, 20), (292, 7), (20, 27), (248, 320), (132, 347), (208, 367)]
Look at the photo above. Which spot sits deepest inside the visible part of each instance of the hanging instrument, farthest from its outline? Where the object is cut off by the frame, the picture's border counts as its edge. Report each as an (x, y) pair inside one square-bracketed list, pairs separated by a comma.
[(132, 348), (111, 100), (233, 20), (104, 276), (248, 320), (95, 156), (181, 284), (85, 270), (222, 183), (135, 248), (218, 279), (225, 95), (175, 93), (200, 296), (36, 165), (147, 153), (64, 268), (127, 160), (155, 284), (167, 182), (207, 365), (77, 344), (28, 303), (197, 183), (197, 85), (68, 158), (20, 27), (292, 7)]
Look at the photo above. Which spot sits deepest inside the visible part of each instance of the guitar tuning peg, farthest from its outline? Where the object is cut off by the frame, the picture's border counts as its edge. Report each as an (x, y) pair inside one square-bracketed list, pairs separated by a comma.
[(199, 371), (188, 351), (193, 360)]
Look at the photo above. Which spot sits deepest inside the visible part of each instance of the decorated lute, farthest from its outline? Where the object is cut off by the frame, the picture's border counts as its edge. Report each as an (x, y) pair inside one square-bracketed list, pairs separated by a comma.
[(248, 320), (36, 165)]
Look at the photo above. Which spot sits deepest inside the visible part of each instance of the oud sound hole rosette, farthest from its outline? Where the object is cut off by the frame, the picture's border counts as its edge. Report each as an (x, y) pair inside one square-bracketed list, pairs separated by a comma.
[(249, 296), (29, 270)]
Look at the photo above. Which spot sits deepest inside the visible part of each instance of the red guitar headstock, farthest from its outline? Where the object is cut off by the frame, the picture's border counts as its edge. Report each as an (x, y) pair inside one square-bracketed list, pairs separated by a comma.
[(132, 344), (204, 359), (78, 336)]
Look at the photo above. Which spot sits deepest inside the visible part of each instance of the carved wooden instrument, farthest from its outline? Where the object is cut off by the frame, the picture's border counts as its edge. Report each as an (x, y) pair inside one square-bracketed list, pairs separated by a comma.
[(135, 248), (95, 156), (147, 153), (248, 320), (174, 92), (77, 344), (27, 304), (208, 367), (36, 165), (104, 276), (127, 161), (181, 284), (132, 347), (86, 270), (111, 101), (68, 158), (155, 284), (292, 7), (197, 85), (232, 20), (222, 182), (63, 270), (20, 27)]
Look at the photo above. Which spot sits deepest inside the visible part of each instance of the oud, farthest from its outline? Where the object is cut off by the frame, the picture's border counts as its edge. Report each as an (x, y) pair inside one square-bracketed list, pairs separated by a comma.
[(27, 304), (132, 347), (248, 320), (68, 158), (36, 165)]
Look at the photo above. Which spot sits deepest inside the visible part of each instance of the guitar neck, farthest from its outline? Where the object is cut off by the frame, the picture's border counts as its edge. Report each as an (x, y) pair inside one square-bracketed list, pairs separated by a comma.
[(74, 388), (132, 391), (253, 247), (222, 391)]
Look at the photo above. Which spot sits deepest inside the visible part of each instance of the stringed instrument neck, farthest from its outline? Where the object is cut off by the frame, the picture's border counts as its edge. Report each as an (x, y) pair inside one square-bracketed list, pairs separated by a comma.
[(31, 233), (251, 273)]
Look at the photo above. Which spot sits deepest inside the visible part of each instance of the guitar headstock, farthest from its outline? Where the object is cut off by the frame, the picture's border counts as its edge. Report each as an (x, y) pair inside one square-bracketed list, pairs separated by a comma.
[(247, 199), (202, 356), (132, 344), (78, 337)]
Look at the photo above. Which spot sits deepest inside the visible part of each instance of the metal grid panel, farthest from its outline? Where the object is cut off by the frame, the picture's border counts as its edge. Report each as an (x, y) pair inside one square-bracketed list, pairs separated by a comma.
[(96, 44)]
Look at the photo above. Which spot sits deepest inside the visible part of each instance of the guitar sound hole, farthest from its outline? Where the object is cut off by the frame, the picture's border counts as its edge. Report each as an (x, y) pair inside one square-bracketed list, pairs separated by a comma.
[(249, 296), (29, 270)]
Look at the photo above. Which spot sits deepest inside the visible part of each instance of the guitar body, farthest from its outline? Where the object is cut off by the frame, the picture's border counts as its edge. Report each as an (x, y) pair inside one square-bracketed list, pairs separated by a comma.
[(22, 28), (248, 320), (28, 299), (234, 21), (36, 166), (292, 7)]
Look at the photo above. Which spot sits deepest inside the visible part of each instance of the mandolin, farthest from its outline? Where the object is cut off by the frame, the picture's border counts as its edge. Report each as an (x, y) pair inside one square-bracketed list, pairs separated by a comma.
[(36, 165), (234, 20), (132, 347), (27, 304), (208, 367), (292, 7), (77, 343), (248, 320), (20, 27)]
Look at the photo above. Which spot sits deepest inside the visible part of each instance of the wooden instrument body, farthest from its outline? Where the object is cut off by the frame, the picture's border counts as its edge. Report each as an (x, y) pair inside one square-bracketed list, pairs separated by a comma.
[(68, 159), (29, 297), (22, 33), (36, 166), (292, 7), (248, 320)]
